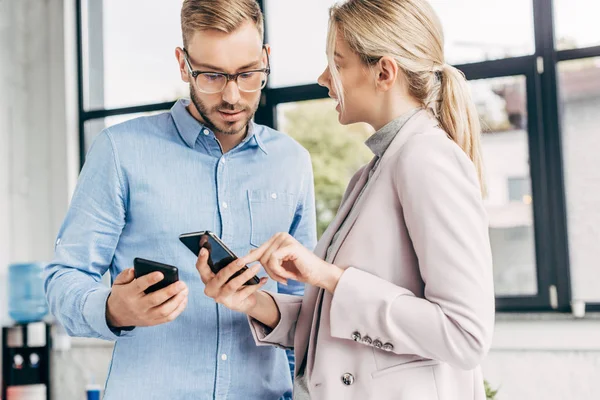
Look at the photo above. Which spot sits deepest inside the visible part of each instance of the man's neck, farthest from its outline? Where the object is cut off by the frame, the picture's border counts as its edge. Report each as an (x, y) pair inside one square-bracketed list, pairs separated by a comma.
[(227, 142)]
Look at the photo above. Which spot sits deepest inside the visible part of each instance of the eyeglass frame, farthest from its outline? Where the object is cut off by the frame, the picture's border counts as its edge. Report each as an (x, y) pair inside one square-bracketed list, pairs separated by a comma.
[(230, 77)]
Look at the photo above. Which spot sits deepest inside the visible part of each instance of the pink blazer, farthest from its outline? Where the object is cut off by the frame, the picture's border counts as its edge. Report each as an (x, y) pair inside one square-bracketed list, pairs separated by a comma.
[(413, 314)]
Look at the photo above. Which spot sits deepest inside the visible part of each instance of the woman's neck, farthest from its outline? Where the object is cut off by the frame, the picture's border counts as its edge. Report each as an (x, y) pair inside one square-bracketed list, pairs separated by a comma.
[(391, 108)]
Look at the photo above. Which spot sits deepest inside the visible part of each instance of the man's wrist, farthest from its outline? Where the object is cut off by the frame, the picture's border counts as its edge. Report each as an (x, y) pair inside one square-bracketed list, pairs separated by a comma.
[(111, 320)]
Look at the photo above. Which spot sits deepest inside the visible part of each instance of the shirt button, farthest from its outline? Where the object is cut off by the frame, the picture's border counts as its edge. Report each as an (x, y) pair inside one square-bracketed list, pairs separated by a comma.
[(356, 337), (58, 241), (274, 195), (206, 132), (222, 160), (377, 344), (224, 357), (224, 205), (367, 340)]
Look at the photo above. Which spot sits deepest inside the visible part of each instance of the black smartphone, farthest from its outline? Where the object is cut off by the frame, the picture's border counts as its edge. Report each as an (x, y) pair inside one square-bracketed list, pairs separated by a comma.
[(219, 254), (143, 267)]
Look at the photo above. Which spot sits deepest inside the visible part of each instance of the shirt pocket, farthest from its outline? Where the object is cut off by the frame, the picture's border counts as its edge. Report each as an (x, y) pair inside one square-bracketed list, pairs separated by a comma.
[(270, 212)]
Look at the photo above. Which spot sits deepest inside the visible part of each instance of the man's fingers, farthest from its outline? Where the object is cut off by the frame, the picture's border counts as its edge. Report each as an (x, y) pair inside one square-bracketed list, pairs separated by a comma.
[(235, 284), (175, 313), (144, 282), (224, 274), (163, 295), (166, 308), (249, 290), (125, 277), (202, 266)]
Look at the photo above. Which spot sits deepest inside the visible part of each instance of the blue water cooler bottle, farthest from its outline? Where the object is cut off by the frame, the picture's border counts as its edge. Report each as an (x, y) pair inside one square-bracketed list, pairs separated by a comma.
[(26, 299)]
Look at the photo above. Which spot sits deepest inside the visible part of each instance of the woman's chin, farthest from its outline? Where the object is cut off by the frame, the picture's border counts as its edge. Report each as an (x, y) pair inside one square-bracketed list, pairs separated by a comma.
[(343, 120)]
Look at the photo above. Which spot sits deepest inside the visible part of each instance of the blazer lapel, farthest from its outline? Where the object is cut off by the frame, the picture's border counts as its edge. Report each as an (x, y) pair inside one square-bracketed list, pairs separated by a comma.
[(313, 295), (345, 207), (351, 219)]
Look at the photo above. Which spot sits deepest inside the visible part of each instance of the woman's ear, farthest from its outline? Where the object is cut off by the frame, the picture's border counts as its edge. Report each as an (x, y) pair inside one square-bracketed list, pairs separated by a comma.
[(386, 73)]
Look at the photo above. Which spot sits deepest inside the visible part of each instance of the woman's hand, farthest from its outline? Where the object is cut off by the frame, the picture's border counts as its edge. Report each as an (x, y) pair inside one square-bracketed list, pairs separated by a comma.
[(283, 257)]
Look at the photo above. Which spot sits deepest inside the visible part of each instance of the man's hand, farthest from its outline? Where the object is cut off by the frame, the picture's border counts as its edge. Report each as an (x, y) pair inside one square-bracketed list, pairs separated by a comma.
[(128, 305)]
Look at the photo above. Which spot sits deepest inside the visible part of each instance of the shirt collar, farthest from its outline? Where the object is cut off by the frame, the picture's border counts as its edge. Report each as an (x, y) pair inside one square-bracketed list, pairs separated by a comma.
[(190, 128), (254, 133), (381, 140)]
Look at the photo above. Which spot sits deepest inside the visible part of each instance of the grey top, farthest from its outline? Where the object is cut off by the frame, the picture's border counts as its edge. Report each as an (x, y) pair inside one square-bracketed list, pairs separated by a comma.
[(378, 143)]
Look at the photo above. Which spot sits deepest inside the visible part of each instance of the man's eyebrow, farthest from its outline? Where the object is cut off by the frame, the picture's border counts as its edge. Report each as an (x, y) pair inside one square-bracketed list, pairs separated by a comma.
[(218, 69)]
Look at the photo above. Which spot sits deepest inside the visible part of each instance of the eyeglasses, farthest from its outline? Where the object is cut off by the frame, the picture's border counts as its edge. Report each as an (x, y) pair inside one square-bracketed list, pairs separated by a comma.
[(215, 82)]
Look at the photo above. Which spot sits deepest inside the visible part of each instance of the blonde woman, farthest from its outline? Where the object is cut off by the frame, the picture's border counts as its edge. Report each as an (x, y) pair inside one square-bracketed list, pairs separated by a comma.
[(399, 300)]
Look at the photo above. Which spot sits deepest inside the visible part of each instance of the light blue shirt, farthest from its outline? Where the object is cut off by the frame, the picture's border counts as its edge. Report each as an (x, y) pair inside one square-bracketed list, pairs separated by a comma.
[(145, 182)]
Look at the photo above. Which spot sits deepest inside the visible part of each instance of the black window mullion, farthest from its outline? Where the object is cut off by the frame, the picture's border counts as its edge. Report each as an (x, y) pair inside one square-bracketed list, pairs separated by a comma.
[(573, 54), (550, 111), (103, 113)]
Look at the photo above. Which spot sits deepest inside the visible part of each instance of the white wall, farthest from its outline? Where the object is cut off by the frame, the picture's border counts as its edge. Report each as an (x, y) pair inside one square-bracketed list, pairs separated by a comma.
[(545, 357), (38, 159), (5, 40)]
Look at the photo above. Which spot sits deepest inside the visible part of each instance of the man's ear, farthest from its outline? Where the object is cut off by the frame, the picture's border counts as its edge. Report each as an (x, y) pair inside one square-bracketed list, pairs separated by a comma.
[(183, 69)]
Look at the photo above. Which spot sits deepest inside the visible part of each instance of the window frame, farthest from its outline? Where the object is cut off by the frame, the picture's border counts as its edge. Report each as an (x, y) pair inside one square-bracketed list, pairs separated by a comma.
[(545, 147)]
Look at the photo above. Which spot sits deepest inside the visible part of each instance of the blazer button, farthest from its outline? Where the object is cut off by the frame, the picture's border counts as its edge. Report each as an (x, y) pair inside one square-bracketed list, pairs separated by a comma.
[(367, 340), (348, 379), (388, 347), (377, 344), (356, 337)]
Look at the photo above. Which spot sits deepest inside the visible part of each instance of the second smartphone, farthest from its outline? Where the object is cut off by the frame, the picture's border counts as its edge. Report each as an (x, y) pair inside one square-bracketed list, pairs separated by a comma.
[(220, 255)]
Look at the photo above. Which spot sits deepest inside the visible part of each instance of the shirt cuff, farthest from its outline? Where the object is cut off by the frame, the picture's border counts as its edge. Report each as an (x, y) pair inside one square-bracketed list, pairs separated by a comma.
[(94, 312)]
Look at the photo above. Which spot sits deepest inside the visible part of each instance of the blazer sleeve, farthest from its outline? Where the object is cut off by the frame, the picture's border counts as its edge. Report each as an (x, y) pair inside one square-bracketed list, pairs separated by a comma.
[(443, 211), (282, 335)]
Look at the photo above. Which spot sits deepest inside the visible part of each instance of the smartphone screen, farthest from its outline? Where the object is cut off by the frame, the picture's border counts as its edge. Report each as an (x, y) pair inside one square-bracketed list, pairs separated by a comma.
[(219, 255)]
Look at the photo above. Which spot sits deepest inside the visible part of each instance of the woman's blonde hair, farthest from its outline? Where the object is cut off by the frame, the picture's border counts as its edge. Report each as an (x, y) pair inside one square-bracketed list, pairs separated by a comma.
[(410, 32)]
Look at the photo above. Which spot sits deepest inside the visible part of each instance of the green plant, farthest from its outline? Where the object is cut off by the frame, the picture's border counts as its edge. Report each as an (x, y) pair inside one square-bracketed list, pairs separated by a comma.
[(490, 394), (337, 151)]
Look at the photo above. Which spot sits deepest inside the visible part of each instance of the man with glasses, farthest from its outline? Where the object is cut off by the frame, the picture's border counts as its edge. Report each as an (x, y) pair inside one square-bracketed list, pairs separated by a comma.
[(202, 166)]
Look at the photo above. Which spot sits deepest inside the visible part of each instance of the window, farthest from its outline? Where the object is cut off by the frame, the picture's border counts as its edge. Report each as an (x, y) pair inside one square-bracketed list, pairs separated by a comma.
[(297, 32), (502, 106), (539, 106), (480, 30), (337, 151), (576, 23), (579, 84), (129, 52), (519, 190)]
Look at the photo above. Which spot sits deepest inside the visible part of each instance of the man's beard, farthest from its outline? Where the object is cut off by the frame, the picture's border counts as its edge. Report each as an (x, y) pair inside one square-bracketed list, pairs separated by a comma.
[(204, 113)]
